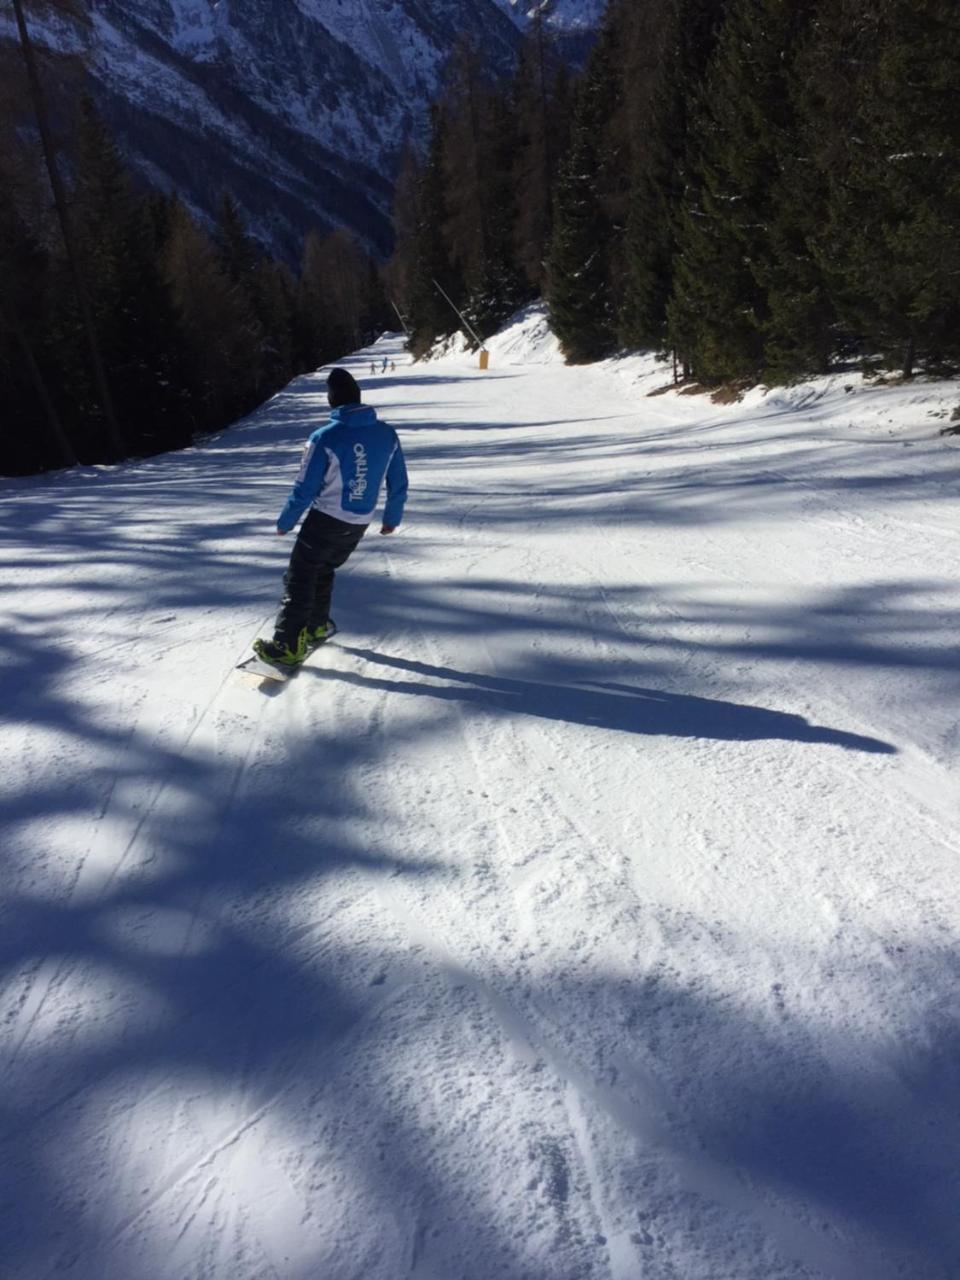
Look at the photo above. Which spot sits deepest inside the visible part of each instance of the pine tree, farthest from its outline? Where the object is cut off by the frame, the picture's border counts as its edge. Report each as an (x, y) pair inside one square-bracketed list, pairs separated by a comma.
[(377, 314), (343, 266), (134, 318), (718, 316), (239, 258), (463, 214), (399, 271), (666, 45), (238, 254), (579, 289), (479, 144), (218, 338), (35, 438), (114, 440), (430, 316), (541, 123), (464, 173), (191, 335), (314, 342), (889, 243), (36, 435), (274, 295), (496, 287)]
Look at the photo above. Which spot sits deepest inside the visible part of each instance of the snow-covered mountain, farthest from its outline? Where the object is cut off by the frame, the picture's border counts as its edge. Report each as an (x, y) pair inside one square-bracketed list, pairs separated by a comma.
[(571, 24), (299, 107), (567, 16)]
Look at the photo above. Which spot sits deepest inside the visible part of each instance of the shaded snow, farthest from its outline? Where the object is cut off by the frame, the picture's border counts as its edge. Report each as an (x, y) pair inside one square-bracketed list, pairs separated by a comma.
[(588, 909)]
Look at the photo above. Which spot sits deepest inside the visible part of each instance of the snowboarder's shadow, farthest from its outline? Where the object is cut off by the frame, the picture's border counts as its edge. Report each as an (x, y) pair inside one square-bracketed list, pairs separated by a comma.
[(625, 708)]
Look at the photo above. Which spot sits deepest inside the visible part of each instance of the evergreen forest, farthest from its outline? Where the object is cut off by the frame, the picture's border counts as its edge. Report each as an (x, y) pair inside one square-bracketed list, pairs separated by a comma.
[(765, 189), (128, 325)]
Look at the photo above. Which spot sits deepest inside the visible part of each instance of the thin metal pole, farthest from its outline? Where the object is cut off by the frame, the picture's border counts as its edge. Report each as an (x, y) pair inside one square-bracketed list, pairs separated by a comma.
[(471, 331), (400, 317)]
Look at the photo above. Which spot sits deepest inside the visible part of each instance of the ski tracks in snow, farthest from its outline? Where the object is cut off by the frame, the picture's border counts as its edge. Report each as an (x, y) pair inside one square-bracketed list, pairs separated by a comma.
[(551, 818), (534, 830), (556, 920)]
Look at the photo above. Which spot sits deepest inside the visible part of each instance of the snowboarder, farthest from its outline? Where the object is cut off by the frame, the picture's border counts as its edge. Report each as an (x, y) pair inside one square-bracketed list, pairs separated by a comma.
[(344, 467), (384, 369)]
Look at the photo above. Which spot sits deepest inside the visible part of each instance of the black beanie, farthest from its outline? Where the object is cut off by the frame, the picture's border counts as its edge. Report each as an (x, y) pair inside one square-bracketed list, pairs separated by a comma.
[(342, 388)]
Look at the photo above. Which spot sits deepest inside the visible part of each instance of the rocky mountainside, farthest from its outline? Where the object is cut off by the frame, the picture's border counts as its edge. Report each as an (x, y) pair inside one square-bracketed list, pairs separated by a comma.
[(566, 16), (299, 107)]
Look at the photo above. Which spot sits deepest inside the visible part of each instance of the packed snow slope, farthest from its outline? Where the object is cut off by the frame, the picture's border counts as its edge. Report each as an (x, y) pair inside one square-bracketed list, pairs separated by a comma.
[(587, 911)]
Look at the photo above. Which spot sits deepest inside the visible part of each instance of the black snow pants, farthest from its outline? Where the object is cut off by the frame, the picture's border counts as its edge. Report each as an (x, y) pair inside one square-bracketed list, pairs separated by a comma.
[(322, 546)]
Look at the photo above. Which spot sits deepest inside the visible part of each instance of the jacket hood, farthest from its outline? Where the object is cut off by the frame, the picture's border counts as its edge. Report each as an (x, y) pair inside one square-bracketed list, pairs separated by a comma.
[(353, 415)]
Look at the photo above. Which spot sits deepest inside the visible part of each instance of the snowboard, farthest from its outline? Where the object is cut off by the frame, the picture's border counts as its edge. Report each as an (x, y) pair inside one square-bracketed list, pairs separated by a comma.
[(254, 666)]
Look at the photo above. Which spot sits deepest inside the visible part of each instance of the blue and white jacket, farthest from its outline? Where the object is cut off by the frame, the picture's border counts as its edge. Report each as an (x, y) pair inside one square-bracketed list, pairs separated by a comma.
[(344, 466)]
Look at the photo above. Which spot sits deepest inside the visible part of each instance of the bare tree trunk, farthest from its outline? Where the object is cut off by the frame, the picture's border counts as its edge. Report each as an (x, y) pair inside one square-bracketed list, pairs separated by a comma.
[(117, 443), (909, 358), (545, 132), (546, 140)]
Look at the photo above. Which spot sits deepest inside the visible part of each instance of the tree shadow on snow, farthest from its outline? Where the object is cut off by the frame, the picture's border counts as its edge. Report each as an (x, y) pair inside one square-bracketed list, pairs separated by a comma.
[(234, 996), (217, 944)]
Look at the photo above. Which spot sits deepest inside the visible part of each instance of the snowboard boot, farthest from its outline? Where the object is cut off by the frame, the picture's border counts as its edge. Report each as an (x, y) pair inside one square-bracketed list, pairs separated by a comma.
[(278, 655), (320, 635)]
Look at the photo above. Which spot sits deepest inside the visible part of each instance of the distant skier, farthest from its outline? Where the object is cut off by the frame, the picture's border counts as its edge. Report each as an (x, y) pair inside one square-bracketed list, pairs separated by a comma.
[(384, 369), (393, 367), (344, 467), (373, 367)]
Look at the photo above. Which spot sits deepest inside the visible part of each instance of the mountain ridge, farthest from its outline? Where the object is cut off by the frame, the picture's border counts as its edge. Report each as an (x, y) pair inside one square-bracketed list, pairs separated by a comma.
[(301, 112)]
